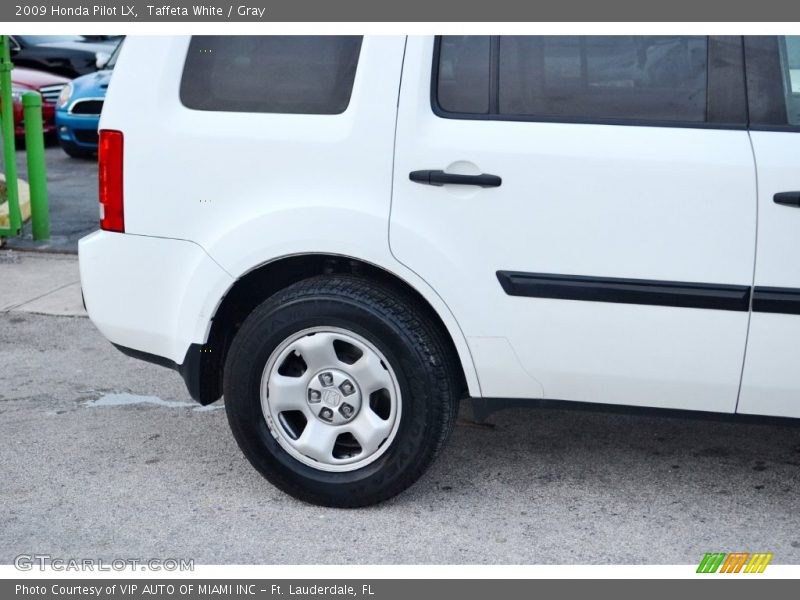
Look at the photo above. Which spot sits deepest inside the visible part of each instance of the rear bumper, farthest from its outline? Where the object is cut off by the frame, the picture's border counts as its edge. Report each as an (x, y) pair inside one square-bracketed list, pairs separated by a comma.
[(153, 298)]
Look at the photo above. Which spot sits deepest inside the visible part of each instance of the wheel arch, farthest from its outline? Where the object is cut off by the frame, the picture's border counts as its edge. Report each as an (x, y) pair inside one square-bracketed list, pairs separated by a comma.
[(261, 282)]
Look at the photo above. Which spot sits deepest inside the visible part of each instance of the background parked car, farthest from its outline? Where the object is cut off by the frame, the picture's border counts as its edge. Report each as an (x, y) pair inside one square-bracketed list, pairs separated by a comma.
[(78, 110), (47, 84), (67, 55)]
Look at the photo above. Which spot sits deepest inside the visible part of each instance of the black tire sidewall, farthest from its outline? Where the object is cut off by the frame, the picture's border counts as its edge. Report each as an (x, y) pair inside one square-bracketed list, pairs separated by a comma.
[(261, 334)]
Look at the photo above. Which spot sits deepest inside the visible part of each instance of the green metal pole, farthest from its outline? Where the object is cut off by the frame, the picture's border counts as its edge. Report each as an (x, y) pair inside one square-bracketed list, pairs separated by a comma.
[(9, 145), (37, 173)]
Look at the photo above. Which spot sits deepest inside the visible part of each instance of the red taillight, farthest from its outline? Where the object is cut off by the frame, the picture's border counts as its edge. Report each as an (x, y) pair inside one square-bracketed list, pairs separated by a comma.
[(109, 154)]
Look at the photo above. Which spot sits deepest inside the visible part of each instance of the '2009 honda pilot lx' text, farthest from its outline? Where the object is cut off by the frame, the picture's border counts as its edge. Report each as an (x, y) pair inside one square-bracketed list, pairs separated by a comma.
[(347, 235)]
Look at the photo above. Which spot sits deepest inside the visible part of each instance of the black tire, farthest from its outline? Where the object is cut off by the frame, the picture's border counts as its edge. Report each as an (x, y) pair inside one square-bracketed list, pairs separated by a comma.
[(417, 350), (76, 151)]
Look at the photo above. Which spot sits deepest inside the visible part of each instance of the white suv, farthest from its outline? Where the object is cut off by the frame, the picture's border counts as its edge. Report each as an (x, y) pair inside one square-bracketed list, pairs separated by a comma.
[(347, 235)]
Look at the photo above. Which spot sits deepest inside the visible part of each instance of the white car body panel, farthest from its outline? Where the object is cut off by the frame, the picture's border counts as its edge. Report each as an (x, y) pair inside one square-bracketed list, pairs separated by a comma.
[(672, 204), (154, 295), (326, 186), (771, 378), (211, 196)]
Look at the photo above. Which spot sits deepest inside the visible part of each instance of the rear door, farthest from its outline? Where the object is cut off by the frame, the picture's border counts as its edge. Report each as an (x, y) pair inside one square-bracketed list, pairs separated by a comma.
[(771, 379), (601, 245)]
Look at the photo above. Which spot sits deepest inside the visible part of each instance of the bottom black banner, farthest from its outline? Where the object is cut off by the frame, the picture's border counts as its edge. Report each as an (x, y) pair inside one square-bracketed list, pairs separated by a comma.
[(388, 589)]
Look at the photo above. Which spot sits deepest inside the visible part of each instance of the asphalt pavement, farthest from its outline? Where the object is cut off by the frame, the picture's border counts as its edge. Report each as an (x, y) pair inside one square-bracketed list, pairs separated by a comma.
[(72, 195), (105, 456)]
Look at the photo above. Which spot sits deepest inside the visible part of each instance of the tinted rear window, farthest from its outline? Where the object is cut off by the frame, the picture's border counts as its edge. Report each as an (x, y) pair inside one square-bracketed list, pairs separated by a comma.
[(270, 74)]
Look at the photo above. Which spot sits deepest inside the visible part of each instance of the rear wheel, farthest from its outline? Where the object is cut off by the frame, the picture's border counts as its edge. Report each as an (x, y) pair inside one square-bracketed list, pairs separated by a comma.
[(340, 391)]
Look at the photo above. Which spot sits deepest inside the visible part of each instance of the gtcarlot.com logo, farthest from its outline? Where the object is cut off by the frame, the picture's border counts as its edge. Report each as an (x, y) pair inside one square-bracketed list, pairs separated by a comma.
[(735, 562), (29, 562)]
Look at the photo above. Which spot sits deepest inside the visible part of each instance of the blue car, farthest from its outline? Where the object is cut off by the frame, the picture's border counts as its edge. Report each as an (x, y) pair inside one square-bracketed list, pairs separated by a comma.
[(78, 110)]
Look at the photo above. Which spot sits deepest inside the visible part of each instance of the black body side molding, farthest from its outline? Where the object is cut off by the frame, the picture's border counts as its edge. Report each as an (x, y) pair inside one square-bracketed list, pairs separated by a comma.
[(776, 300), (626, 291)]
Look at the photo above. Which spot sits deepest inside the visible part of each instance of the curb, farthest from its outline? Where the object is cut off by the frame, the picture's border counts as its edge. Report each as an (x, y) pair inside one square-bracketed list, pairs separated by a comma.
[(24, 203)]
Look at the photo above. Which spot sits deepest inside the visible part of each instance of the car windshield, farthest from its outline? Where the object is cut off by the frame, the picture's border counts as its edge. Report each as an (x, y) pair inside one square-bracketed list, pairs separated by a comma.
[(113, 59), (48, 39)]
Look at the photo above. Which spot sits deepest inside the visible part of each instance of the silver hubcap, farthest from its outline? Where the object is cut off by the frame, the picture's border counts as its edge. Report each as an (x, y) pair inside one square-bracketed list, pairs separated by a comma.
[(333, 397), (330, 399)]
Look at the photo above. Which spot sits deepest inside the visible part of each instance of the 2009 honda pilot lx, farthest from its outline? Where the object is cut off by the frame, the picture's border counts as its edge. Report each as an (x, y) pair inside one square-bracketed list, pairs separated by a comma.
[(346, 235)]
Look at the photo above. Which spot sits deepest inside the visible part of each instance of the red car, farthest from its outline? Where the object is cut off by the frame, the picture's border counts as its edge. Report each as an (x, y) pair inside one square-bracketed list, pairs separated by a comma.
[(48, 85)]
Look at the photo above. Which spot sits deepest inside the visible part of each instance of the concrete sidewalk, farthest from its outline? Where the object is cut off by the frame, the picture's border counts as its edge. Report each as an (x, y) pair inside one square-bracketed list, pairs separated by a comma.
[(34, 282)]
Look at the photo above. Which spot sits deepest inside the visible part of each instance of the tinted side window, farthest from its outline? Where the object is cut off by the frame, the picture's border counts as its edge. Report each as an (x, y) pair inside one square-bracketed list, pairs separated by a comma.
[(662, 78), (270, 74), (773, 86), (646, 80), (790, 63), (463, 81)]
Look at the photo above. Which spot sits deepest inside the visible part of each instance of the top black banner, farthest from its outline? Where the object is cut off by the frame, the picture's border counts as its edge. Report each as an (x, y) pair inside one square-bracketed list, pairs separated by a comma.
[(261, 11)]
